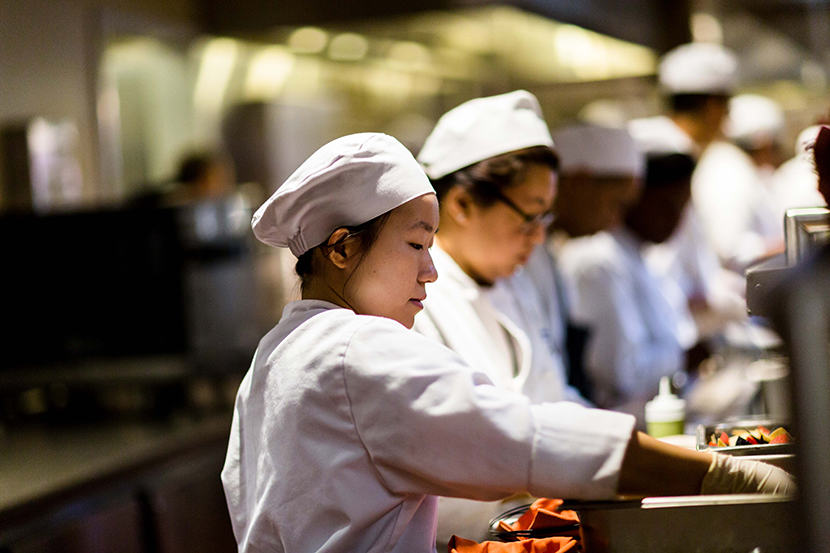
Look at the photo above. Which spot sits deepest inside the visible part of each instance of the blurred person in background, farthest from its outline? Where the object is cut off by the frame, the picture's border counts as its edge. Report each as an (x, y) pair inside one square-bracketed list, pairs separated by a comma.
[(698, 79), (638, 330), (200, 175), (733, 193), (494, 168), (599, 170)]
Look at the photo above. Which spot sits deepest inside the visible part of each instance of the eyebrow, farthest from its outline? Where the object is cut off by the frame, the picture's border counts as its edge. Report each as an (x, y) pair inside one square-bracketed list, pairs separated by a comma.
[(424, 225)]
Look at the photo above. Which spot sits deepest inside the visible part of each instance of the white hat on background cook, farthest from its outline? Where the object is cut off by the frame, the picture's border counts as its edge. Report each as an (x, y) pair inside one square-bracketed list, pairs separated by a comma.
[(754, 120), (600, 151), (347, 182), (660, 135), (483, 128), (699, 68)]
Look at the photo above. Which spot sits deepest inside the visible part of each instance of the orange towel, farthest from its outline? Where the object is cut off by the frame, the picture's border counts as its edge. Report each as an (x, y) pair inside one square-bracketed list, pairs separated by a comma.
[(555, 544), (543, 514)]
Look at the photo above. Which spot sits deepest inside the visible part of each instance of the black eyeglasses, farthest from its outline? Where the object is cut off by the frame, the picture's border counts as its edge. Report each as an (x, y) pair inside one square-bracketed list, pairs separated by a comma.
[(531, 222)]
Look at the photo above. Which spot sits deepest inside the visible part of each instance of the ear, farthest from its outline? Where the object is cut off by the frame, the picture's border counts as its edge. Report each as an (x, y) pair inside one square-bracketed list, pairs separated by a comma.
[(340, 248), (457, 204)]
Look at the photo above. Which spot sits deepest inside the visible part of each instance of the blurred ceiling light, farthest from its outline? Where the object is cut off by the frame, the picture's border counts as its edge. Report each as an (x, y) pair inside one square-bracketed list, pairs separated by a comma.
[(218, 59), (267, 72), (410, 55), (706, 28), (348, 47), (305, 79), (308, 40), (467, 34), (387, 83)]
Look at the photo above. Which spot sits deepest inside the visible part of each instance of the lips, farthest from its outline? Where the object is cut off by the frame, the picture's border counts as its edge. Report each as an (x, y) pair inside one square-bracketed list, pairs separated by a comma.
[(418, 302)]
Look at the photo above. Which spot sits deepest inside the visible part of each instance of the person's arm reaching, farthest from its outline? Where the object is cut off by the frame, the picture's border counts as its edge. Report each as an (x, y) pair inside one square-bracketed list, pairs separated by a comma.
[(652, 467)]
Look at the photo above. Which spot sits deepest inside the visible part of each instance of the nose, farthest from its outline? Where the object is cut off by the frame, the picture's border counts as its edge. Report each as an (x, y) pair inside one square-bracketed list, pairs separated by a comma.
[(428, 272)]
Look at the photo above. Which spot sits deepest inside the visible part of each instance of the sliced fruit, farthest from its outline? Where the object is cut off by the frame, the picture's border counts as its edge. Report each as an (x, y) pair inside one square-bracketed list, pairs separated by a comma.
[(780, 439)]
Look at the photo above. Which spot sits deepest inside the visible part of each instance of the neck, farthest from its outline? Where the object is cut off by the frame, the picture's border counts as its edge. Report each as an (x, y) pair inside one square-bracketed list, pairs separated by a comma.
[(320, 289), (695, 128), (453, 248)]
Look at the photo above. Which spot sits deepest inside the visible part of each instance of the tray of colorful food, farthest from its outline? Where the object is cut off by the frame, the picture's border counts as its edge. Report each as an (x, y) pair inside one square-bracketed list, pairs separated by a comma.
[(747, 437)]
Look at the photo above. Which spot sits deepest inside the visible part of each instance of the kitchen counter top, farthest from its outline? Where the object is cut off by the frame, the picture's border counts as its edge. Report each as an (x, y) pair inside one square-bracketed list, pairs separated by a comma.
[(45, 464)]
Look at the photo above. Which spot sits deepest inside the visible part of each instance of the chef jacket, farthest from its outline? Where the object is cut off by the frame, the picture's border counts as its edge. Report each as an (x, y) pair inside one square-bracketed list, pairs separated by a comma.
[(347, 426), (475, 321), (635, 332), (736, 205)]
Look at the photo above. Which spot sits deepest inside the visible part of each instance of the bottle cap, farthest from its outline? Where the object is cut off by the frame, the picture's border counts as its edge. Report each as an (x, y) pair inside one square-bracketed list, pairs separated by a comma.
[(665, 407)]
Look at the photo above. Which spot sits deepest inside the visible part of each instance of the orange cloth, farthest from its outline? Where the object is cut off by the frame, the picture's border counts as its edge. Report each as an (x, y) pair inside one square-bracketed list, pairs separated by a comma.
[(543, 514), (556, 544)]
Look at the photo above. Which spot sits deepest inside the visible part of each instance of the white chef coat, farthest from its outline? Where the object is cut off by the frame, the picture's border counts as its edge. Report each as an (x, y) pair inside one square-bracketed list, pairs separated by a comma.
[(795, 184), (735, 204), (474, 321), (346, 426), (635, 332)]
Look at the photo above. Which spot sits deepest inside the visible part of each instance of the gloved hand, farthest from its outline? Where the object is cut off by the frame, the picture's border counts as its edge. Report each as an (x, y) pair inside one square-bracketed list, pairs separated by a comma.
[(729, 474)]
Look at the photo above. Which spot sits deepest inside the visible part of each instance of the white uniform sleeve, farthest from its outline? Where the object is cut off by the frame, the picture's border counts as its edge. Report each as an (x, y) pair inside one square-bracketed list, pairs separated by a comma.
[(622, 356), (433, 425)]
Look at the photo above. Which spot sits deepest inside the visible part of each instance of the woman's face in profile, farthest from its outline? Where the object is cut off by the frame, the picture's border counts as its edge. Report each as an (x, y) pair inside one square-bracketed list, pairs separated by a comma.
[(499, 239), (390, 281)]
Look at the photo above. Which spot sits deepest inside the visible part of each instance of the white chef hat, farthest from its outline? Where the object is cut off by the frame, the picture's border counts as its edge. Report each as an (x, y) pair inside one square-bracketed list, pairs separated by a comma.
[(754, 120), (483, 128), (699, 68), (602, 151), (347, 182), (660, 135)]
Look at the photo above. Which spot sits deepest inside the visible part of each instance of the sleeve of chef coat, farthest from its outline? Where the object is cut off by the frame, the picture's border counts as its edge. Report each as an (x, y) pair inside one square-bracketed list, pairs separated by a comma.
[(621, 354), (433, 425)]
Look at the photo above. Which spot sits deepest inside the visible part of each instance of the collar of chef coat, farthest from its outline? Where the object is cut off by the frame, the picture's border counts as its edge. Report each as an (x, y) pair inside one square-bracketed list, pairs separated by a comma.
[(630, 243), (447, 268)]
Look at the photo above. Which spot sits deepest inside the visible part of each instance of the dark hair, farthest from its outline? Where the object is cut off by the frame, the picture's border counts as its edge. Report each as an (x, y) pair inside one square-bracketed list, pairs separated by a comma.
[(499, 172), (666, 169), (366, 233), (692, 102)]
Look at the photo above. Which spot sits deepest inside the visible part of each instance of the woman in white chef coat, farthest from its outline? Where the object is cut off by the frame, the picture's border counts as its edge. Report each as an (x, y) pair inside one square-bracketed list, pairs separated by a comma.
[(492, 163), (348, 424)]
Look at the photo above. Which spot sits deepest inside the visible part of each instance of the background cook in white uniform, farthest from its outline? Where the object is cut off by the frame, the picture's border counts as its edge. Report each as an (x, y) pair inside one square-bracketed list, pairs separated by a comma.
[(348, 423), (698, 80)]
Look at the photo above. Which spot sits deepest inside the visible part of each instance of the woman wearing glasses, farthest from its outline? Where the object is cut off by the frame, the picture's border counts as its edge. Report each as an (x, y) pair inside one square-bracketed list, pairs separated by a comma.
[(493, 166)]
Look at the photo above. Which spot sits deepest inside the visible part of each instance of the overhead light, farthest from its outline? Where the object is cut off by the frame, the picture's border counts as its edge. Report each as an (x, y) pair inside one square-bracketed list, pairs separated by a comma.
[(267, 72), (348, 47), (218, 59), (409, 54), (308, 40)]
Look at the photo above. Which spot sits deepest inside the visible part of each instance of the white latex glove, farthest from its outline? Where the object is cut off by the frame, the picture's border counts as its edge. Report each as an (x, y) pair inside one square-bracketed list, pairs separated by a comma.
[(729, 474)]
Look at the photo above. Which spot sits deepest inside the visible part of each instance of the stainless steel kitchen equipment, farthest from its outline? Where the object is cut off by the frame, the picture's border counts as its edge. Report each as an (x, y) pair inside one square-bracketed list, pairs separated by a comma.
[(802, 318), (709, 523)]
